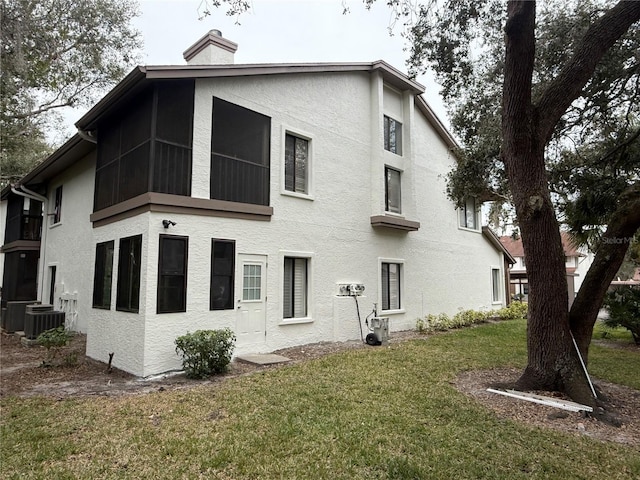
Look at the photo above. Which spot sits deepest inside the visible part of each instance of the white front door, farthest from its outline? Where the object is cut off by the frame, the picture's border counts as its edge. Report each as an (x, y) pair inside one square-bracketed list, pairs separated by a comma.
[(252, 317)]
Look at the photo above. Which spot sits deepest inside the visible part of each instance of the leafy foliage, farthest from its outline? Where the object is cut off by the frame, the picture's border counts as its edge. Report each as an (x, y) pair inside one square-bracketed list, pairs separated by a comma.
[(593, 156), (56, 54), (54, 340), (623, 306), (466, 318), (205, 352)]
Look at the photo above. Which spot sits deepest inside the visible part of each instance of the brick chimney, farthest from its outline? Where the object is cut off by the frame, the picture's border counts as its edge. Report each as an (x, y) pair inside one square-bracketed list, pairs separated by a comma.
[(211, 49)]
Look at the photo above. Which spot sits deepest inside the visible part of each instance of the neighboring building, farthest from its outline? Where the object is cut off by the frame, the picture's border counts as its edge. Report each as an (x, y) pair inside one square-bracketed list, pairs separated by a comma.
[(217, 195), (577, 262)]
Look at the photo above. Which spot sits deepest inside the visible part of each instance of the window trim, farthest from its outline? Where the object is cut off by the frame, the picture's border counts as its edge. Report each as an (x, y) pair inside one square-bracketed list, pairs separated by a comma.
[(310, 298), (402, 263), (459, 211), (185, 271), (295, 132), (387, 210), (106, 303), (119, 272), (56, 215), (386, 122), (233, 274), (496, 295)]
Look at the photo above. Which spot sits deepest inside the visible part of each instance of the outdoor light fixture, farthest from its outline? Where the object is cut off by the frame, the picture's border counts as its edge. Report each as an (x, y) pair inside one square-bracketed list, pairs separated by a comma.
[(166, 223)]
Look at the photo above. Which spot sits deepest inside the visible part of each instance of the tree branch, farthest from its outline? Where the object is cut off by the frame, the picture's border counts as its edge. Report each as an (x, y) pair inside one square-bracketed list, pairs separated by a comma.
[(566, 87), (623, 224)]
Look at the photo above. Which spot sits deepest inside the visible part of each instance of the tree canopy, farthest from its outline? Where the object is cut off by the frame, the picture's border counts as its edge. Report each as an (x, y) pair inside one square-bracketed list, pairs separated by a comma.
[(56, 54)]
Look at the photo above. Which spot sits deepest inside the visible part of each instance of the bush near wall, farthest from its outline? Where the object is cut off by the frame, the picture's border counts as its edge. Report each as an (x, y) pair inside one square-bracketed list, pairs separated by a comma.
[(205, 352), (442, 321), (623, 306)]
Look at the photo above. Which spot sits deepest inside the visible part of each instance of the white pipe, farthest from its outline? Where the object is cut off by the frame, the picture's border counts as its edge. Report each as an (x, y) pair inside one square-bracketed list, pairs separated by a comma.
[(584, 367), (37, 196), (87, 136), (28, 194), (541, 399)]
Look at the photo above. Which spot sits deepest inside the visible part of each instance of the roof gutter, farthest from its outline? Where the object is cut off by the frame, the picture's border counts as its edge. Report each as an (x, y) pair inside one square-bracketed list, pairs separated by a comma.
[(25, 192), (86, 135)]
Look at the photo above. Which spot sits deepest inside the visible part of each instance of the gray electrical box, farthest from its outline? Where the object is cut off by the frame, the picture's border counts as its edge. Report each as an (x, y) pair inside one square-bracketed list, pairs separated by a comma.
[(380, 327)]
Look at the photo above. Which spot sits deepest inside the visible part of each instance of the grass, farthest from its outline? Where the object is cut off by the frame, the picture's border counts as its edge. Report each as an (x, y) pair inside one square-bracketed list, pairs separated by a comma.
[(387, 413)]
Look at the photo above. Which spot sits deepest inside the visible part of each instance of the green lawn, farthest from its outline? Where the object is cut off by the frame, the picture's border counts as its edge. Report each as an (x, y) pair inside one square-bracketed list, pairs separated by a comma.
[(371, 413)]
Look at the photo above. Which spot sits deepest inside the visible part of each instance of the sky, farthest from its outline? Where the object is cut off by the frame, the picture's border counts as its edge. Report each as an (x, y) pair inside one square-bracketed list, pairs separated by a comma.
[(279, 31)]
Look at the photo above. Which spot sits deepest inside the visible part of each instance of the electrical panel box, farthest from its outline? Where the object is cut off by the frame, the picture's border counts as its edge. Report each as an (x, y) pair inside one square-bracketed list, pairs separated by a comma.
[(350, 289)]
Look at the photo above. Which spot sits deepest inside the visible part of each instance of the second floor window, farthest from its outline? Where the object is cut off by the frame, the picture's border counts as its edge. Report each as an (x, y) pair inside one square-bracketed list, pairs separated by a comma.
[(392, 194), (57, 206), (392, 135), (469, 214), (296, 164)]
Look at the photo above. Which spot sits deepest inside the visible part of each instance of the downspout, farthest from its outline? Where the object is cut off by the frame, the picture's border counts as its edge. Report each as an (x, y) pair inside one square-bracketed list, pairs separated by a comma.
[(43, 238), (86, 135)]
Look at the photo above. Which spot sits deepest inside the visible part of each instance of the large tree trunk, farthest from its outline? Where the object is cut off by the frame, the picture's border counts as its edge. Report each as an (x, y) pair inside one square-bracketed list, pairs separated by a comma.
[(553, 362)]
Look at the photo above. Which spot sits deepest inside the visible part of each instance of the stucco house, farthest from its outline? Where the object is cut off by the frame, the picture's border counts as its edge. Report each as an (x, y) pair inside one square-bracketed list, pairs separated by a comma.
[(578, 260), (212, 195)]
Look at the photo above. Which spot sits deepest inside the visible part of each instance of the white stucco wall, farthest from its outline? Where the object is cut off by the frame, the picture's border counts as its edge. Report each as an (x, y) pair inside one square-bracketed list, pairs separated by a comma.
[(341, 114), (68, 245)]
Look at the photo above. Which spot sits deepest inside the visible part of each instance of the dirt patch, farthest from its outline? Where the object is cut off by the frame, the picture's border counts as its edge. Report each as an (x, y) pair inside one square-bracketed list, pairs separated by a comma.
[(624, 402), (22, 374)]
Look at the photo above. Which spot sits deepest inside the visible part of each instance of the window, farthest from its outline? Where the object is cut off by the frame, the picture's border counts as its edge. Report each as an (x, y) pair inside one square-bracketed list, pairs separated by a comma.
[(469, 214), (391, 286), (223, 254), (392, 135), (295, 287), (240, 147), (392, 193), (102, 275), (495, 284), (52, 285), (128, 294), (57, 206), (296, 164), (172, 274), (252, 282)]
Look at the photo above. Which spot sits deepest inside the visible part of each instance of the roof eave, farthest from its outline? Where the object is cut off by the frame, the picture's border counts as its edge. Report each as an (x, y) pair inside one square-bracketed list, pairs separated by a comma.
[(495, 241), (136, 76)]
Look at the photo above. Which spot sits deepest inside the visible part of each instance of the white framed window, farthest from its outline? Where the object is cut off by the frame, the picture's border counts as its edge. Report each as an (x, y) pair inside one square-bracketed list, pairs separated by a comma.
[(391, 284), (56, 215), (468, 215), (496, 296), (296, 175), (392, 135), (296, 287), (392, 190)]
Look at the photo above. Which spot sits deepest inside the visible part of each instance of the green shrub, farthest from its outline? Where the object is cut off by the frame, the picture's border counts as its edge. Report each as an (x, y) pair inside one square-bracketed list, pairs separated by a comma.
[(53, 340), (465, 318), (205, 352), (514, 311), (623, 306)]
